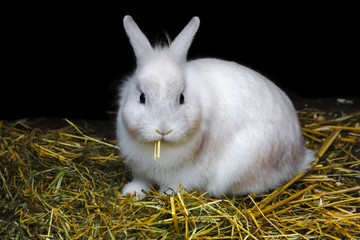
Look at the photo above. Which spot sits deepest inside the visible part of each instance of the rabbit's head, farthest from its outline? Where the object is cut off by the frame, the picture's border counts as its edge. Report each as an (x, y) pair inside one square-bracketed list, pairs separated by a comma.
[(156, 101)]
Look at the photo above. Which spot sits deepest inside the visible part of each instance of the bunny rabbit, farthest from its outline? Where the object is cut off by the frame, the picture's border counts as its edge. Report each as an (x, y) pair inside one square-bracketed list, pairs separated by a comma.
[(224, 129)]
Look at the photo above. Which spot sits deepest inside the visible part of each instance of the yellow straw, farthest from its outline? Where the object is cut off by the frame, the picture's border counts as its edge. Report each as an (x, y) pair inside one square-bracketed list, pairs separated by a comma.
[(157, 149), (155, 152)]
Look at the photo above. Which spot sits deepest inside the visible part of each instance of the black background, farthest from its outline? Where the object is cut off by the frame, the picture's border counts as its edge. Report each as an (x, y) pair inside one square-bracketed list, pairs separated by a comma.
[(68, 60)]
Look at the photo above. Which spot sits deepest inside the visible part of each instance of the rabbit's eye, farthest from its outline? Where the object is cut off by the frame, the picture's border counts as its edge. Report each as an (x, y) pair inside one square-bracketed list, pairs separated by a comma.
[(142, 98), (182, 99)]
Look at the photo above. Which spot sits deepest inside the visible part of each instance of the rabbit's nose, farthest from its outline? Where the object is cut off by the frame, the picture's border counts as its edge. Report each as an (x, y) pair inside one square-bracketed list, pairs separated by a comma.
[(163, 133)]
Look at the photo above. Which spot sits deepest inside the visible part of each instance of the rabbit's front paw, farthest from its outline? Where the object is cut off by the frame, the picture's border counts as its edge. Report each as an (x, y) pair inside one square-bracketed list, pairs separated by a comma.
[(134, 189)]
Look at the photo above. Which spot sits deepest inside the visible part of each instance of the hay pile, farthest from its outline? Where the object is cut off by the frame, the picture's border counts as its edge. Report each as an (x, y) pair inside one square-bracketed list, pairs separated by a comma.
[(64, 184)]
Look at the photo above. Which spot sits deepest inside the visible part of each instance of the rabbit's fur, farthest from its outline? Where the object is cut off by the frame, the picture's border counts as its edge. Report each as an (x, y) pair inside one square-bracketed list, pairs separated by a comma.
[(231, 132)]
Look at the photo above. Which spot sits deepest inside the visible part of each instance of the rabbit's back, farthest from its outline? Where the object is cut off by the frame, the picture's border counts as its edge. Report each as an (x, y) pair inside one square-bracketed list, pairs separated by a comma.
[(239, 95), (253, 138)]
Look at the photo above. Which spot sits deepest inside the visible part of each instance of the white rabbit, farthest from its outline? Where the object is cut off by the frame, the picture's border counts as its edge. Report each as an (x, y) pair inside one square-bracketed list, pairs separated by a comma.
[(224, 128)]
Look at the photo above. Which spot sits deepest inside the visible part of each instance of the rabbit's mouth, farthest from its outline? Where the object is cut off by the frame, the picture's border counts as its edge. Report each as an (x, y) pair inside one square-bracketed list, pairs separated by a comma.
[(158, 142), (163, 133)]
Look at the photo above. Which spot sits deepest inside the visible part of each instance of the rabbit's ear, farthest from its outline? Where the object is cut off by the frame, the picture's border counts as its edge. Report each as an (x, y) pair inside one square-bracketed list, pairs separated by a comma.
[(180, 46), (138, 40)]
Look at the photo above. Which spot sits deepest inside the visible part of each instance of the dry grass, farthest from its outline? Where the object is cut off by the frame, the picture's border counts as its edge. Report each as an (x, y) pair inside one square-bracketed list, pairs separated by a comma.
[(64, 184)]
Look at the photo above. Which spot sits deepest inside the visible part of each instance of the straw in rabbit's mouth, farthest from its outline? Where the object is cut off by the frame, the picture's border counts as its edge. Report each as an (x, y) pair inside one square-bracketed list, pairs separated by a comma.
[(157, 149)]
